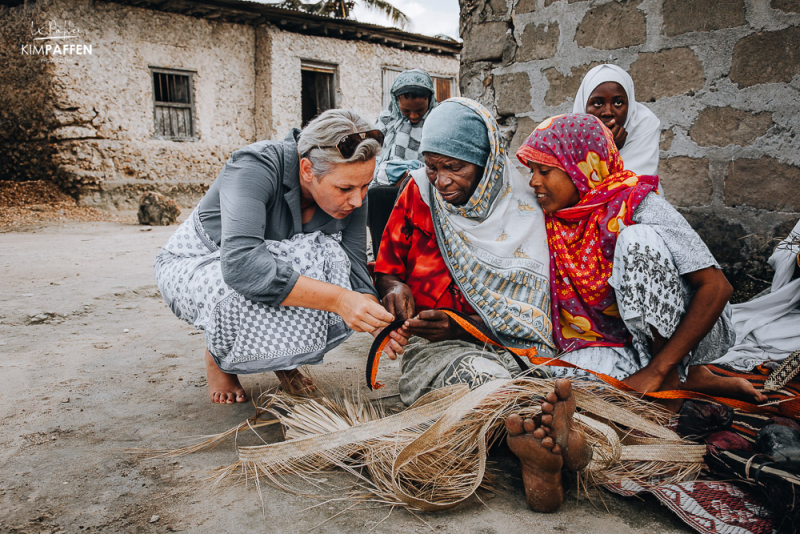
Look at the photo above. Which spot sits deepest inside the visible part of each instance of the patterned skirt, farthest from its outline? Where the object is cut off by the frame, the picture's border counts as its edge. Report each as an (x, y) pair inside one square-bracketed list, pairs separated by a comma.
[(242, 335)]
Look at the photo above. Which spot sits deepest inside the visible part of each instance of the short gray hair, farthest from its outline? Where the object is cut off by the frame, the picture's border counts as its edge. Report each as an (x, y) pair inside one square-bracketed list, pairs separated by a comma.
[(327, 130)]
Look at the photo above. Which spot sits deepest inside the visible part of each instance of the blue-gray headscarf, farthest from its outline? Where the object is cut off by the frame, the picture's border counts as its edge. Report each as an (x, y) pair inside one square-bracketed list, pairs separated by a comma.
[(456, 130), (402, 138)]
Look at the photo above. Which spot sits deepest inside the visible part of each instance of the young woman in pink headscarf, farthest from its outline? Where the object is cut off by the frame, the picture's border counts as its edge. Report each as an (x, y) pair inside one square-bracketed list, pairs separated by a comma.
[(636, 294)]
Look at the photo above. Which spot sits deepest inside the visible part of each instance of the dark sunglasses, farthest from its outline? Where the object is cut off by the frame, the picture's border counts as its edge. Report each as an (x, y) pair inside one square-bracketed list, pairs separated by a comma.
[(349, 143)]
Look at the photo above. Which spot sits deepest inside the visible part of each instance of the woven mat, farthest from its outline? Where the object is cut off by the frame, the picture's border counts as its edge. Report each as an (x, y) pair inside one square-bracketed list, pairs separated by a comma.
[(747, 425), (711, 506)]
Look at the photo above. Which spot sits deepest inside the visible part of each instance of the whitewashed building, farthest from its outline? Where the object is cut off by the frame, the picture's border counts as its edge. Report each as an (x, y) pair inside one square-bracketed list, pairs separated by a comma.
[(136, 95)]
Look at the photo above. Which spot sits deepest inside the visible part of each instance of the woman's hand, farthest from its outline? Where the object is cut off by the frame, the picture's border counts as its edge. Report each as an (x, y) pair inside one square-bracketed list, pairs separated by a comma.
[(434, 325), (361, 312), (711, 294), (619, 132), (645, 380), (397, 297)]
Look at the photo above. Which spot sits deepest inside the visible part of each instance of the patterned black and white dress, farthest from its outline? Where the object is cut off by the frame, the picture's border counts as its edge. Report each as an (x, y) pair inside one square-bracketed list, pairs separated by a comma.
[(242, 335)]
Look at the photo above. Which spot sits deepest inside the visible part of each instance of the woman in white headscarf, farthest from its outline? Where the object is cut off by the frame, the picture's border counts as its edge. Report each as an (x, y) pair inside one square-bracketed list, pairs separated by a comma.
[(607, 93)]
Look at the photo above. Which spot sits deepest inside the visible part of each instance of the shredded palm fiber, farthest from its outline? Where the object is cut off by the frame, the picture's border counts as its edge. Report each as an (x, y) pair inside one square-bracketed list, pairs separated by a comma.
[(432, 456)]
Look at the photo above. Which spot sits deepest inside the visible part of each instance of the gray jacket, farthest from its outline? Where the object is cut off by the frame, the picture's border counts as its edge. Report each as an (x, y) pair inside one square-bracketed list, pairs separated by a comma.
[(256, 197)]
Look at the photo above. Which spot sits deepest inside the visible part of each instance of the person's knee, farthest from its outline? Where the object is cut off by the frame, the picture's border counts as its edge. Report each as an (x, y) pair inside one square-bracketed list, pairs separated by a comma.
[(474, 370)]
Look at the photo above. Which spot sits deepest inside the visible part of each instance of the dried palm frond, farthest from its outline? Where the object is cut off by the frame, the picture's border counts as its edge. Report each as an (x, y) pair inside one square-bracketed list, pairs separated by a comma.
[(433, 455), (334, 439)]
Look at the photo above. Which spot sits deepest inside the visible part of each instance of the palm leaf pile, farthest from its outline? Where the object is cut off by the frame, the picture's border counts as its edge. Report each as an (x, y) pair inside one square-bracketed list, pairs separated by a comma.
[(432, 456)]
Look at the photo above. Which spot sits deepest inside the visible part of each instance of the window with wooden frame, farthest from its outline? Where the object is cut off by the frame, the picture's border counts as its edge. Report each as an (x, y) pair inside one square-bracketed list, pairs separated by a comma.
[(173, 100), (445, 87), (318, 88)]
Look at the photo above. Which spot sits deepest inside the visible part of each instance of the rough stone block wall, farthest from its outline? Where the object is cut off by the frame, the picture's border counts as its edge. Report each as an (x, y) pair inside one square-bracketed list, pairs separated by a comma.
[(723, 77)]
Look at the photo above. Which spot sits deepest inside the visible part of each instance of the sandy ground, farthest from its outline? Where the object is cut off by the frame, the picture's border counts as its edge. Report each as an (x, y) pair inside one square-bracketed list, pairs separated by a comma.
[(94, 363)]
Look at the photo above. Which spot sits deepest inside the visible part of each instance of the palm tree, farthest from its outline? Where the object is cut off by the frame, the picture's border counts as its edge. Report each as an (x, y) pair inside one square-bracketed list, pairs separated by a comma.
[(344, 9)]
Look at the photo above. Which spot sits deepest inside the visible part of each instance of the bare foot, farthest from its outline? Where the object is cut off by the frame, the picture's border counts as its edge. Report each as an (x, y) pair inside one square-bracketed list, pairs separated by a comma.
[(295, 382), (702, 380), (541, 463), (557, 412), (223, 388)]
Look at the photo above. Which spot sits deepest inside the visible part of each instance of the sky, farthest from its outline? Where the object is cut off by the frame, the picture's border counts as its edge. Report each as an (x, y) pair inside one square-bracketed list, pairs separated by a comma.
[(428, 17)]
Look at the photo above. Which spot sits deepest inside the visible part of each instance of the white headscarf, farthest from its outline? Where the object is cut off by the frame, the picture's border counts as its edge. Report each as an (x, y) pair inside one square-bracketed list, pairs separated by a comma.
[(640, 153)]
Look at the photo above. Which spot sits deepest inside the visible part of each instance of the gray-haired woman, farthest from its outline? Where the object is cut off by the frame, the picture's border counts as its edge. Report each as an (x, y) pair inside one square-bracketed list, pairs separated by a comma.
[(271, 265)]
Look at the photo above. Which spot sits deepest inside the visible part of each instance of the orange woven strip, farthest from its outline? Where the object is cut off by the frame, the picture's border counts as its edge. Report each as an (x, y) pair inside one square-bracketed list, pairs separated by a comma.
[(374, 384), (477, 334), (788, 407)]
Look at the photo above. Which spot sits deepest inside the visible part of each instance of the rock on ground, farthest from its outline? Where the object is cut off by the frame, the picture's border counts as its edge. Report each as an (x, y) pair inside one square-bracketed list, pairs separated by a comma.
[(156, 210)]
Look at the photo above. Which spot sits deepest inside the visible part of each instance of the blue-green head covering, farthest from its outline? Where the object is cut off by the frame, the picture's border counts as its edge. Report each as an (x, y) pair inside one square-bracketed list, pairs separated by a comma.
[(457, 131), (461, 128), (401, 137), (414, 81)]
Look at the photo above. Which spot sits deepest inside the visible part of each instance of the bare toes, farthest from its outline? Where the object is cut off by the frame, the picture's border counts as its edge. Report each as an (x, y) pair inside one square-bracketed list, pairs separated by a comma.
[(547, 408), (528, 425), (514, 424), (556, 449), (539, 433), (548, 442), (547, 420), (563, 388)]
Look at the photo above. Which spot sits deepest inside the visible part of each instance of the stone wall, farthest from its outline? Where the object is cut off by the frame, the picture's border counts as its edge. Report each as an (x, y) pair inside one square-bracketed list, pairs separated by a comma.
[(26, 94), (723, 77), (87, 121)]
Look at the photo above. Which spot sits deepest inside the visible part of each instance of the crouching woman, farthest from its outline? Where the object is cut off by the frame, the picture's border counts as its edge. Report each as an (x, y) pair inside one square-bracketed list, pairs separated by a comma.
[(271, 265)]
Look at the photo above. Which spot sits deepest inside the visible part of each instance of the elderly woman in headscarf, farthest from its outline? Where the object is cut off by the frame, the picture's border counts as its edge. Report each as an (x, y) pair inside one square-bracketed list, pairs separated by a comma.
[(271, 265), (636, 294), (413, 98), (466, 233), (607, 93)]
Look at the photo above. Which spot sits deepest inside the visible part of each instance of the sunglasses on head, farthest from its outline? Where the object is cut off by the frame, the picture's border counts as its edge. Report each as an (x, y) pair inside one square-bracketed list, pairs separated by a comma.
[(349, 143)]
